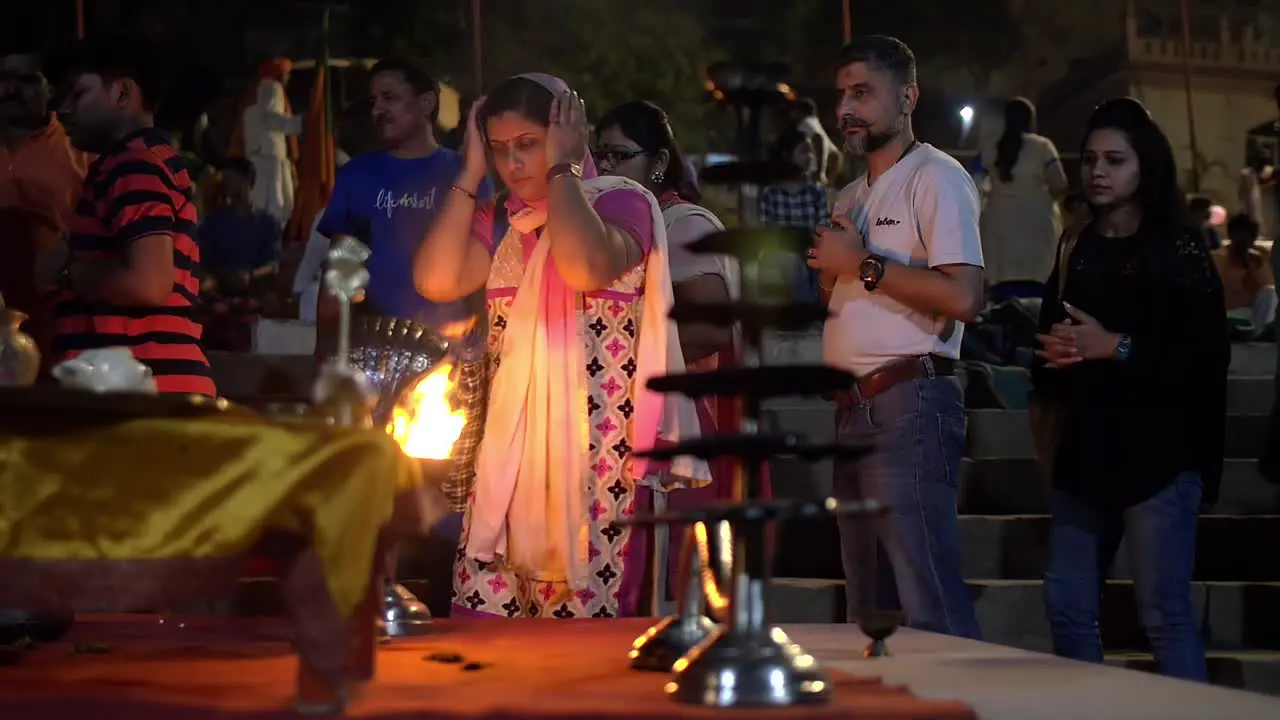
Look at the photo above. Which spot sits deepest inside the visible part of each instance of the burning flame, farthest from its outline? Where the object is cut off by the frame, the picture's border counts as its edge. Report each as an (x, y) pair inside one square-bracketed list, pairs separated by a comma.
[(424, 421)]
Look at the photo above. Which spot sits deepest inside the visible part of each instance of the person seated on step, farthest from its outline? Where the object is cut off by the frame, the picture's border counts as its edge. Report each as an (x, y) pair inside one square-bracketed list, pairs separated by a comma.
[(1248, 285), (1201, 210), (240, 256)]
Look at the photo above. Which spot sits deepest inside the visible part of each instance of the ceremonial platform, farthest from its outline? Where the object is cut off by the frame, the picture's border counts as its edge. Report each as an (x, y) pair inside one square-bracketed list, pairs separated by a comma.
[(1003, 521), (137, 667)]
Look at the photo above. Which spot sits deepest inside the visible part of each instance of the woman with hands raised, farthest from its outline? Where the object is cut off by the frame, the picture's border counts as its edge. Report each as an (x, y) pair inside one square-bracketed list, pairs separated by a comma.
[(575, 272)]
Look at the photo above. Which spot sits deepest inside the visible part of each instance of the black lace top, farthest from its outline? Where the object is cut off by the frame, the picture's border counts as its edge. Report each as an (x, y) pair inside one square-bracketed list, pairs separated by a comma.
[(1131, 427)]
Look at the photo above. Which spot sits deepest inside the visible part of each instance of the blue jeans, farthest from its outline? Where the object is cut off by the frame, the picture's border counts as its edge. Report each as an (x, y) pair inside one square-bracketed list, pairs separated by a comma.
[(911, 556), (1161, 532)]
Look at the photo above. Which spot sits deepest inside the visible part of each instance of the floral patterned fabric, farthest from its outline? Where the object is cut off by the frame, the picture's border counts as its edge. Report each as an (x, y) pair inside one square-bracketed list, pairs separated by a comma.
[(610, 320)]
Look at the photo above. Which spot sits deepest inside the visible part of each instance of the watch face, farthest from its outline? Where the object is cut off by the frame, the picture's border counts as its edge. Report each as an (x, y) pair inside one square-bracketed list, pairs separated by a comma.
[(871, 270)]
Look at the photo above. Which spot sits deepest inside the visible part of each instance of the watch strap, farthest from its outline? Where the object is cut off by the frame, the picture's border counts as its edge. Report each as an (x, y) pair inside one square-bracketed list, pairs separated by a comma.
[(1124, 348)]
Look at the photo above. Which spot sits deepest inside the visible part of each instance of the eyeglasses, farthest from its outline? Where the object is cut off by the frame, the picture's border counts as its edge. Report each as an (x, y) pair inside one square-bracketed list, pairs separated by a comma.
[(614, 158)]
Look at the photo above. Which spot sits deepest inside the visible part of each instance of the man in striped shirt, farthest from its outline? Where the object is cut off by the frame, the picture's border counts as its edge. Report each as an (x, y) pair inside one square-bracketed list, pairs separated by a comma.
[(132, 276)]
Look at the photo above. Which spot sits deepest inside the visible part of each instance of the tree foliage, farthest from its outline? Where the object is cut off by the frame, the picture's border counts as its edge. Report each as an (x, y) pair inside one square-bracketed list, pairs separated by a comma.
[(613, 51), (609, 51)]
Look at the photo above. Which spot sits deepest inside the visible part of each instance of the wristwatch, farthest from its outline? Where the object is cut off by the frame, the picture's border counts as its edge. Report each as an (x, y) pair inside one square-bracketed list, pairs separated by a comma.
[(871, 271), (1124, 347), (563, 169)]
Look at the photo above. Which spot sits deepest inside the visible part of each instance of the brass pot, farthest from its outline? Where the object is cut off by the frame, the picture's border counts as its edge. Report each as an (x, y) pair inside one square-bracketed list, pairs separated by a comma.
[(19, 355)]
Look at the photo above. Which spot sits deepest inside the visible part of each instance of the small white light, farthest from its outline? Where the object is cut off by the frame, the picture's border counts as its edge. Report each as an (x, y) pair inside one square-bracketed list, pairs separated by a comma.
[(966, 113)]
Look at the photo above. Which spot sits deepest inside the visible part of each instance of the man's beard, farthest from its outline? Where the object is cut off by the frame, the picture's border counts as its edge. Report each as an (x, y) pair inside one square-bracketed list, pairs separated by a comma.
[(868, 141)]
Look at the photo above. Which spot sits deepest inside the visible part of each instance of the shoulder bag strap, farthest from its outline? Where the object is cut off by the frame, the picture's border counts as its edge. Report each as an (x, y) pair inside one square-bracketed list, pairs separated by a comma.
[(1065, 246)]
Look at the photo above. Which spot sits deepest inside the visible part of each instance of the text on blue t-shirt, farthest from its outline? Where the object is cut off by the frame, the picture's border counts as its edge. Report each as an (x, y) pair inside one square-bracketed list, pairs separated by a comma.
[(389, 203)]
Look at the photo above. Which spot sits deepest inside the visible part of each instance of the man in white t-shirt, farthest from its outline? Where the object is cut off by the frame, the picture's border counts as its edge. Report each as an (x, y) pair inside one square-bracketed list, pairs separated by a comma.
[(902, 268)]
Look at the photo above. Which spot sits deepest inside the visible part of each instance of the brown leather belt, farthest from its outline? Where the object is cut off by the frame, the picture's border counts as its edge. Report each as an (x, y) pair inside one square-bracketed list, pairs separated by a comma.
[(894, 373)]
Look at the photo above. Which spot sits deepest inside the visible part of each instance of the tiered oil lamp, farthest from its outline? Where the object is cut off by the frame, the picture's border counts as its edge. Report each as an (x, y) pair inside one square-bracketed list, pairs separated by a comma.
[(359, 387), (743, 662), (396, 374)]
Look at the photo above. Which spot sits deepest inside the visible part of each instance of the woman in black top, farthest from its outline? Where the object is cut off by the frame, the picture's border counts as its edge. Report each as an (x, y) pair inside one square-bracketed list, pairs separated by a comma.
[(1134, 360)]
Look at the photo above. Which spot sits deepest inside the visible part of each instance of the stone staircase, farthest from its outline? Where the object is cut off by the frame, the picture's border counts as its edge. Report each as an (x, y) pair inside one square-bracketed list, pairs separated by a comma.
[(1003, 504)]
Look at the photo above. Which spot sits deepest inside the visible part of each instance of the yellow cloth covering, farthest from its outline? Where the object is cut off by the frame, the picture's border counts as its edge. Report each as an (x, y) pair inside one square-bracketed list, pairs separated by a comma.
[(85, 488)]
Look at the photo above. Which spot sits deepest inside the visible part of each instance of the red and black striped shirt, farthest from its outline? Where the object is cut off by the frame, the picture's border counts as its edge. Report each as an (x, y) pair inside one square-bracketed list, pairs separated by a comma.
[(136, 189)]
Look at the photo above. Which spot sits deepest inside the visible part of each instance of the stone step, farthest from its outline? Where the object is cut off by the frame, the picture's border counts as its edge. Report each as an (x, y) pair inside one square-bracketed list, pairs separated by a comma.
[(1255, 671), (1016, 486), (788, 348), (1254, 359), (1232, 616), (1007, 434), (994, 433), (1250, 395), (1230, 548), (1016, 547)]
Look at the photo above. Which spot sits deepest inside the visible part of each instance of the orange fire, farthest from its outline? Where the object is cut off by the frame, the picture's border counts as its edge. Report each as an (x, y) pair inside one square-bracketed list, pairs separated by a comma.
[(424, 422)]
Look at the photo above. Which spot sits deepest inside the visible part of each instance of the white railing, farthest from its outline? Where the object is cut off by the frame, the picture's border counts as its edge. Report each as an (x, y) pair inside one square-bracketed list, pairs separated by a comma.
[(1245, 53)]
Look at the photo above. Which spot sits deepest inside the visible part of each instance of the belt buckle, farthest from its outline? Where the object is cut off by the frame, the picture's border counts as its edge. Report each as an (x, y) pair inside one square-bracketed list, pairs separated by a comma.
[(930, 367)]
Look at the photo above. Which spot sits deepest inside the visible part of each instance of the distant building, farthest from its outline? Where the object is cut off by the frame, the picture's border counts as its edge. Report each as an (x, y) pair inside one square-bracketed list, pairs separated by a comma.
[(1235, 65)]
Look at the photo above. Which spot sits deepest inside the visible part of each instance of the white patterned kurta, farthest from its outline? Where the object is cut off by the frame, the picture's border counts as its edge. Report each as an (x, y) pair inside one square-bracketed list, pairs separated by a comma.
[(610, 321)]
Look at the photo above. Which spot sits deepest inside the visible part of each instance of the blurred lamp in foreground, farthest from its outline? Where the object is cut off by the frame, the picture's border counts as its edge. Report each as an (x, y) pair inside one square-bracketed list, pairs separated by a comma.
[(966, 114)]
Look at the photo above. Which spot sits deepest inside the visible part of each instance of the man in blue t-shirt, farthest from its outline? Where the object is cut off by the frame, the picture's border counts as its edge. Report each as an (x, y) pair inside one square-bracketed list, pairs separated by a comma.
[(388, 199)]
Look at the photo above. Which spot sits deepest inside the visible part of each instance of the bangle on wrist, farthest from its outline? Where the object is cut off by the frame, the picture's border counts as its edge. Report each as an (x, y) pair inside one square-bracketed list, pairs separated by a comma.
[(458, 188), (564, 169)]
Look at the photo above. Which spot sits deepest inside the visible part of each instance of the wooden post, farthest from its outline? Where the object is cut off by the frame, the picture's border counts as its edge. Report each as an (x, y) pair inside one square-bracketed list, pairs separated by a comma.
[(847, 17), (79, 19), (1191, 108), (327, 69)]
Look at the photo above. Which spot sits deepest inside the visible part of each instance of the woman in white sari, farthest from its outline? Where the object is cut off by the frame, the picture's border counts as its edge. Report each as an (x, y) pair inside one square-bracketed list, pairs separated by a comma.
[(576, 274)]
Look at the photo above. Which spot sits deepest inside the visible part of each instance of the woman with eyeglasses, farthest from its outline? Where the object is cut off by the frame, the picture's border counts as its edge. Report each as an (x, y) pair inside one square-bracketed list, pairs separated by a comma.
[(635, 141)]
